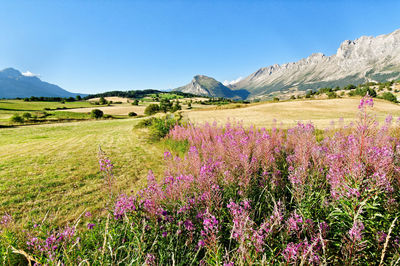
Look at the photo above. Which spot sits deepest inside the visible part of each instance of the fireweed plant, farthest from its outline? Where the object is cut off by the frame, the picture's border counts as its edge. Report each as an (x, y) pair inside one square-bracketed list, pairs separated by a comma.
[(244, 196)]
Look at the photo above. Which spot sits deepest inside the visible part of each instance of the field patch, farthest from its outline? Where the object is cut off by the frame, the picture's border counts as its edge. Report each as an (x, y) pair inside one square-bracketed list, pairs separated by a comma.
[(320, 112), (55, 167)]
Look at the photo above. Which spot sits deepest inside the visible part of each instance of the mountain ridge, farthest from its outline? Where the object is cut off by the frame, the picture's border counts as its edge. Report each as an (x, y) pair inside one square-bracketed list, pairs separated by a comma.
[(14, 84), (206, 86), (364, 59)]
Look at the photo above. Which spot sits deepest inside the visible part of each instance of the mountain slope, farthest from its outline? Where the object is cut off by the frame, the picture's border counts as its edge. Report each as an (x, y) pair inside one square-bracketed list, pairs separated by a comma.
[(359, 61), (14, 84), (206, 86)]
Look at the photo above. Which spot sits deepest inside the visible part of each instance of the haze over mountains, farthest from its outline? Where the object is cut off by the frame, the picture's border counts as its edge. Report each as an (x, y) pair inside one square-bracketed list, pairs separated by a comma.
[(359, 61), (14, 84)]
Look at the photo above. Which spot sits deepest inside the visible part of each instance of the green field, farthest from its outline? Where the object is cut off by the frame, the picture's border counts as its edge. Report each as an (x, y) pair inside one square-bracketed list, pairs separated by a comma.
[(10, 107), (54, 168)]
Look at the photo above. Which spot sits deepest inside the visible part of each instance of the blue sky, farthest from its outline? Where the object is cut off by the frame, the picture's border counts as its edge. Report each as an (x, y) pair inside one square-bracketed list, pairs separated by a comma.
[(94, 46)]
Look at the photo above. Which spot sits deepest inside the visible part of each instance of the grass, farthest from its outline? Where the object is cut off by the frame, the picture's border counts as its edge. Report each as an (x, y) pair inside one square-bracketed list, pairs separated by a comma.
[(54, 168), (20, 105), (320, 112), (10, 107)]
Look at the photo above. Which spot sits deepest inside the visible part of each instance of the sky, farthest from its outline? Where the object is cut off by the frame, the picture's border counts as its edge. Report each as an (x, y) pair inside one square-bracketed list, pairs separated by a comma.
[(96, 46)]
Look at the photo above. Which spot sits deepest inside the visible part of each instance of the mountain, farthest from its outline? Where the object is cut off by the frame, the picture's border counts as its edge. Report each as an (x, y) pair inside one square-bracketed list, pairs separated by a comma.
[(359, 61), (206, 86), (14, 84)]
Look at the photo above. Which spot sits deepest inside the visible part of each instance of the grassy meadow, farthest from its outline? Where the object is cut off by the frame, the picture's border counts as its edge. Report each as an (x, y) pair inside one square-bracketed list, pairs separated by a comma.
[(219, 196), (43, 165), (320, 112), (50, 110), (55, 167)]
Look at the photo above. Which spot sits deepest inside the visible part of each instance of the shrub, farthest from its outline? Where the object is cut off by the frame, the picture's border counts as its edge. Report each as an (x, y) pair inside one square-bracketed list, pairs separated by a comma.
[(27, 115), (132, 114), (135, 102), (176, 107), (349, 87), (332, 95), (159, 127), (15, 118), (96, 113), (152, 109), (102, 101), (389, 97)]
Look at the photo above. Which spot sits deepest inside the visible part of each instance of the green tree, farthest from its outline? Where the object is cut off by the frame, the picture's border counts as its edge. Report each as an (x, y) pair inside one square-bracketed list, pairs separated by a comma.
[(26, 115), (350, 87), (96, 113), (102, 100), (17, 119), (165, 105), (152, 109), (176, 106), (389, 97), (78, 97), (132, 114), (332, 95), (135, 102)]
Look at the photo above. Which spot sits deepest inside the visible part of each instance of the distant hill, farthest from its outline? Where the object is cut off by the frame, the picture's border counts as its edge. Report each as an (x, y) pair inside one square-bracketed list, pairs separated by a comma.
[(206, 86), (13, 84)]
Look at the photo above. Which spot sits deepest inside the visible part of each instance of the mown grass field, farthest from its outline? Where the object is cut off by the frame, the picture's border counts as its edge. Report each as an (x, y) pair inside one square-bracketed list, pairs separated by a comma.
[(320, 112), (54, 168), (10, 107)]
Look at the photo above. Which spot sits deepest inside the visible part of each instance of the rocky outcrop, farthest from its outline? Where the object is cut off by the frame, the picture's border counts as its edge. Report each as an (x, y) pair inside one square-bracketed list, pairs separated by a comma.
[(206, 86)]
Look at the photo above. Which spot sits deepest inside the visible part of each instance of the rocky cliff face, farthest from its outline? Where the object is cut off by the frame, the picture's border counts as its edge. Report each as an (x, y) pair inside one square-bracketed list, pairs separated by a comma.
[(358, 61)]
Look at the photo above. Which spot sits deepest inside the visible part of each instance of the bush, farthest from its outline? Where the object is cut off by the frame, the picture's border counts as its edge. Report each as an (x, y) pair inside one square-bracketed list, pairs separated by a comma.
[(103, 101), (132, 114), (349, 87), (152, 109), (96, 113), (332, 95), (159, 127), (176, 107), (27, 115), (15, 118), (135, 102), (362, 91), (389, 97)]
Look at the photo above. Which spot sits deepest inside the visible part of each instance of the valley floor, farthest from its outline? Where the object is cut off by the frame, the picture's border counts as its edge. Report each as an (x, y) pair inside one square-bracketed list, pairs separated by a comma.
[(320, 112), (55, 167)]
